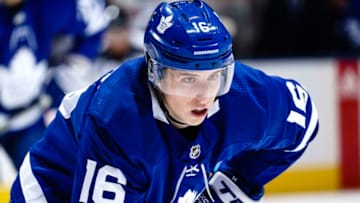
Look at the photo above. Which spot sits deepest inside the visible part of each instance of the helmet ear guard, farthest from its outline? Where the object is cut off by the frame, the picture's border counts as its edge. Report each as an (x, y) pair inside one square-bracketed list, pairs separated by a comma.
[(154, 71)]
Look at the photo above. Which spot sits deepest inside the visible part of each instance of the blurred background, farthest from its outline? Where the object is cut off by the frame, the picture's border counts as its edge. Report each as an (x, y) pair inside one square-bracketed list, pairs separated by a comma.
[(316, 42)]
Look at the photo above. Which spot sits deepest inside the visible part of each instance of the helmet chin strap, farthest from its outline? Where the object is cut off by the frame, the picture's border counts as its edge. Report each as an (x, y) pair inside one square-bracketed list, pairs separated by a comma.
[(167, 114), (172, 119)]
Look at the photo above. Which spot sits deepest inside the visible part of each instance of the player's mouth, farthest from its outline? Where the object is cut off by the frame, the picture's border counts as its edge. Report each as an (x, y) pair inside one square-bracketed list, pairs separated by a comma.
[(199, 112)]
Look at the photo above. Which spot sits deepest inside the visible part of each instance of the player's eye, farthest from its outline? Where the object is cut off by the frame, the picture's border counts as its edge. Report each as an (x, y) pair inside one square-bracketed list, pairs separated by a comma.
[(188, 80), (214, 76)]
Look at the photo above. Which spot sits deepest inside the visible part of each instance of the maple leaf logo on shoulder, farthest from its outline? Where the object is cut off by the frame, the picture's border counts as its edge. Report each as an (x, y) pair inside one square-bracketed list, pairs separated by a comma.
[(165, 23)]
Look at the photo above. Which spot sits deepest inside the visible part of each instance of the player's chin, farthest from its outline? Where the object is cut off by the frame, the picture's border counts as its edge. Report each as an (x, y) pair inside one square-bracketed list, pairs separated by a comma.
[(195, 121)]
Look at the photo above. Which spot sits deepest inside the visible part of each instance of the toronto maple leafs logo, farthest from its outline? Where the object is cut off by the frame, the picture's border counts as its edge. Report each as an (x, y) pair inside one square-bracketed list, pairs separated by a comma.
[(22, 81), (164, 24), (189, 197)]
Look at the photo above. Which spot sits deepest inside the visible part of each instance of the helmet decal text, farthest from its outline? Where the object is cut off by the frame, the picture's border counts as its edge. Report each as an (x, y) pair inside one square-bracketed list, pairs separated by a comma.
[(206, 52), (201, 27)]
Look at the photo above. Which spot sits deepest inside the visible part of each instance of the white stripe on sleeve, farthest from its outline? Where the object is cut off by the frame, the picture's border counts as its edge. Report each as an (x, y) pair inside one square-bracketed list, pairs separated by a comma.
[(30, 187), (309, 130)]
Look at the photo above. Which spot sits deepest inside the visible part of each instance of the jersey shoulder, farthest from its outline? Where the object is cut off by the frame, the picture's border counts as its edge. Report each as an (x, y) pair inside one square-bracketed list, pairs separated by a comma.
[(121, 106), (122, 92), (274, 111)]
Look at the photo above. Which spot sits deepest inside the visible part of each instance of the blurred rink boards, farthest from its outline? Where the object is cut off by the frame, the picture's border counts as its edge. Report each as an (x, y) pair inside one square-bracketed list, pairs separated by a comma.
[(344, 196), (332, 159), (332, 162), (7, 175)]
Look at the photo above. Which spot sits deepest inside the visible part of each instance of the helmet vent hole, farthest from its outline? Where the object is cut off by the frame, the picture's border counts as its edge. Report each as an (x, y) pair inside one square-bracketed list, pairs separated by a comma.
[(198, 3), (204, 39), (184, 17), (177, 42), (205, 16)]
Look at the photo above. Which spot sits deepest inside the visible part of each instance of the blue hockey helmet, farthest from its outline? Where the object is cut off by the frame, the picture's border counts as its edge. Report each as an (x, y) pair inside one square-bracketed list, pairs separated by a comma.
[(189, 36)]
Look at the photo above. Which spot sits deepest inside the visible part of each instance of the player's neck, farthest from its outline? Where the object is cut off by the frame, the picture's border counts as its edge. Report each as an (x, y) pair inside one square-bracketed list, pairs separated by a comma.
[(190, 132)]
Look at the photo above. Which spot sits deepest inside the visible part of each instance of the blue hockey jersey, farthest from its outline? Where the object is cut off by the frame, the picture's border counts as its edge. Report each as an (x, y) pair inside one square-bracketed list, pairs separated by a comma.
[(111, 142), (37, 22), (27, 33)]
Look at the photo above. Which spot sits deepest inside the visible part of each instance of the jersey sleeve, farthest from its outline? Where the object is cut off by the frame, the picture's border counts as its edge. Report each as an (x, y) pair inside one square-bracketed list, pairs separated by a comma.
[(79, 159), (109, 167), (104, 171), (291, 124)]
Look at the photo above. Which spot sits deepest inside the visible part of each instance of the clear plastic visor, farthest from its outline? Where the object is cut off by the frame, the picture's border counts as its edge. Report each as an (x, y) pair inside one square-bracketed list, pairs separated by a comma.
[(191, 83)]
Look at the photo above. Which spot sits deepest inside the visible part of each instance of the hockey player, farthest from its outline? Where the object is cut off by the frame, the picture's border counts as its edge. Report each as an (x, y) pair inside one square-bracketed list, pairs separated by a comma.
[(28, 29), (184, 123)]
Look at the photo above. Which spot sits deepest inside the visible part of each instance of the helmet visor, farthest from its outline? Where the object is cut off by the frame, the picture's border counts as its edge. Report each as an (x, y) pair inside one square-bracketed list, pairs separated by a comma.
[(191, 83)]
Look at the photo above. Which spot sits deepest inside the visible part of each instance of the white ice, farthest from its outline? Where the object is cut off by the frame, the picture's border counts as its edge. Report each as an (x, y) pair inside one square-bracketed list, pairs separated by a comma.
[(345, 196)]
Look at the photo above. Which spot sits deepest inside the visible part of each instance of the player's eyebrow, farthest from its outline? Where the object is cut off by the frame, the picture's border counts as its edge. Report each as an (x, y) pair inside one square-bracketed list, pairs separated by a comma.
[(192, 73)]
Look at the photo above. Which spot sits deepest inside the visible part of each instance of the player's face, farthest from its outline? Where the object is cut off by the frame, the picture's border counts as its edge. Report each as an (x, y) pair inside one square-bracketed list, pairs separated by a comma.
[(189, 95), (191, 84)]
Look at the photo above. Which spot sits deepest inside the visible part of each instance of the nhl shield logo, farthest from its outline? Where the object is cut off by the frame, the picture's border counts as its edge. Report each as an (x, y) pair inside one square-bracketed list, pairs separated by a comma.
[(195, 151)]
